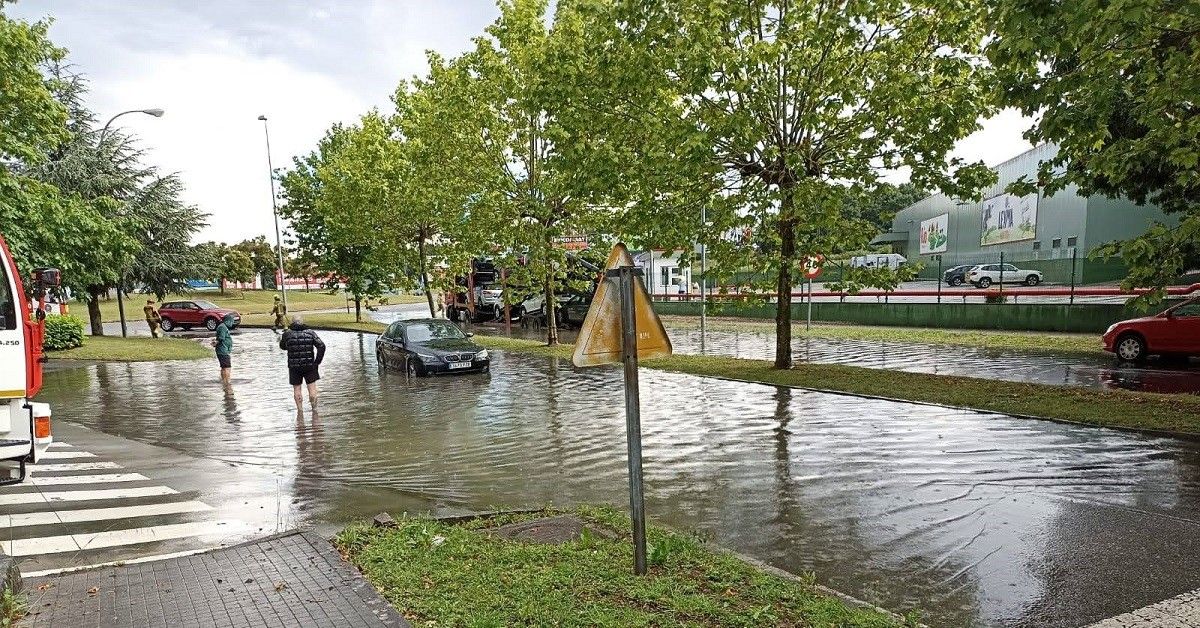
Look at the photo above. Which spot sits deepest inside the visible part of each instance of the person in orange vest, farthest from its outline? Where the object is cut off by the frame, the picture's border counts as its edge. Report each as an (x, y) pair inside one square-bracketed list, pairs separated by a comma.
[(152, 317)]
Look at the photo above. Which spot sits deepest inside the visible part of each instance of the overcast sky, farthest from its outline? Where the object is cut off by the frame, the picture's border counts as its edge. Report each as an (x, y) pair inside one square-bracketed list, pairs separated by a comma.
[(214, 66)]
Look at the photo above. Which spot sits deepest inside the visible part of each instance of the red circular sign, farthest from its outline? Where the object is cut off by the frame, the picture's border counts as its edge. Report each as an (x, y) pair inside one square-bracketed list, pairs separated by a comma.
[(811, 267)]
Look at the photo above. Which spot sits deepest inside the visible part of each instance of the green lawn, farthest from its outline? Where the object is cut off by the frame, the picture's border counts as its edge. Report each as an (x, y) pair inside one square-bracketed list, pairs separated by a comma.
[(244, 301), (439, 574), (327, 320), (989, 339), (134, 349)]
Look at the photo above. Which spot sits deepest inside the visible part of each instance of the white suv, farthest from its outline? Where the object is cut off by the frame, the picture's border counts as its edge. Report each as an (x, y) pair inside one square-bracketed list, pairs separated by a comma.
[(985, 275)]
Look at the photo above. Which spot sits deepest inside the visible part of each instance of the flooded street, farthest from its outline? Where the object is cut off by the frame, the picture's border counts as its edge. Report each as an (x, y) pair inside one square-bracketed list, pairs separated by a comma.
[(974, 519)]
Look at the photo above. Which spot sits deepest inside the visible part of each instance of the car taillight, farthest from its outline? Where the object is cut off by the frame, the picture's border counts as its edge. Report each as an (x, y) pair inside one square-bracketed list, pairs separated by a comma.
[(41, 427)]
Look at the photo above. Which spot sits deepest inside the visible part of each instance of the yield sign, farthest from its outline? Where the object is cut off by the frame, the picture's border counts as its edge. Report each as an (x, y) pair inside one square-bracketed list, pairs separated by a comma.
[(600, 337)]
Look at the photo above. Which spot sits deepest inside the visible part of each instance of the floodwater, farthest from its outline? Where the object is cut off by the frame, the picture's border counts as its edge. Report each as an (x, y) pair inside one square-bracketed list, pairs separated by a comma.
[(975, 519)]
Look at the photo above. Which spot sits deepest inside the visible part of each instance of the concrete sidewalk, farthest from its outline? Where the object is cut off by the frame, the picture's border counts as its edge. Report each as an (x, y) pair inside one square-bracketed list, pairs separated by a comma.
[(293, 579)]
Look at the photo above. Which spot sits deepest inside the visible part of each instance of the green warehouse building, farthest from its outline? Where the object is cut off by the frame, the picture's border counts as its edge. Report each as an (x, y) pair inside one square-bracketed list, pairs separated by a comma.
[(1049, 233)]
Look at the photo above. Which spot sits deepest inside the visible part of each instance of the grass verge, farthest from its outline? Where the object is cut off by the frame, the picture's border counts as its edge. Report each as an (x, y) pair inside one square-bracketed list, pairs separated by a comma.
[(13, 606), (244, 301), (336, 321), (133, 349), (1046, 342), (1178, 414), (459, 575)]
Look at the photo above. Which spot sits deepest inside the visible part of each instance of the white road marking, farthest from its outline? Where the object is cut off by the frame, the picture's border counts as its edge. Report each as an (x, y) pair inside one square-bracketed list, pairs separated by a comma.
[(64, 455), (75, 496), (74, 466), (117, 538), (59, 480), (59, 444), (100, 514)]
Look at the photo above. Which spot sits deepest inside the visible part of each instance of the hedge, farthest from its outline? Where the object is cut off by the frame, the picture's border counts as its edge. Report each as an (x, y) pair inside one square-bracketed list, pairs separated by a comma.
[(63, 332)]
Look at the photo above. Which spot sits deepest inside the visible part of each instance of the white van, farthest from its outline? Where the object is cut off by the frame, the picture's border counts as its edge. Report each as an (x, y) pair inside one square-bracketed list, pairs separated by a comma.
[(889, 260)]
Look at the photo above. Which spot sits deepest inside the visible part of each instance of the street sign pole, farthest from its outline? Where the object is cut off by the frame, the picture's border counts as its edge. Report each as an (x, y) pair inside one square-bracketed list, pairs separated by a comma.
[(808, 323), (633, 420)]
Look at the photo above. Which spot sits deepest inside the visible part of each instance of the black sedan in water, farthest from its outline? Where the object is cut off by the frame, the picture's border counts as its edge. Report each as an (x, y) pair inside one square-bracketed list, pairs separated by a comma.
[(430, 346)]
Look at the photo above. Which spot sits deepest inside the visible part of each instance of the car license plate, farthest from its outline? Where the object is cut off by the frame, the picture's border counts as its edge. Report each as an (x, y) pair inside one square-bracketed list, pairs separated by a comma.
[(460, 365)]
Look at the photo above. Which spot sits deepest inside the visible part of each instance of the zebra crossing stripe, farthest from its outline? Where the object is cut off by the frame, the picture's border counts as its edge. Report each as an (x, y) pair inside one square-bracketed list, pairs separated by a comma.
[(59, 445), (100, 514), (74, 466), (60, 480), (117, 538), (77, 496), (65, 455)]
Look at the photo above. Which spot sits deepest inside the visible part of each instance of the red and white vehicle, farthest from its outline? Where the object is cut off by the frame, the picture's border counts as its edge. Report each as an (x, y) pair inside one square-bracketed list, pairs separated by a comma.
[(24, 424)]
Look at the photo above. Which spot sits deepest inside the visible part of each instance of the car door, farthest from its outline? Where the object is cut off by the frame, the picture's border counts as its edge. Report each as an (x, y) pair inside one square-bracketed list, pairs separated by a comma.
[(386, 345), (1183, 328)]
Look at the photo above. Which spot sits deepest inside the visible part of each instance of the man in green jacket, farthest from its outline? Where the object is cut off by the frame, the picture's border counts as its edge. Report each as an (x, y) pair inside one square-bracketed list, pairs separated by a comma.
[(224, 344)]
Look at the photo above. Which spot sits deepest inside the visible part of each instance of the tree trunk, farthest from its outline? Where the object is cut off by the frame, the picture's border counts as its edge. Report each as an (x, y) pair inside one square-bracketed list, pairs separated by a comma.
[(306, 288), (93, 306), (425, 277), (551, 314), (357, 309), (783, 293)]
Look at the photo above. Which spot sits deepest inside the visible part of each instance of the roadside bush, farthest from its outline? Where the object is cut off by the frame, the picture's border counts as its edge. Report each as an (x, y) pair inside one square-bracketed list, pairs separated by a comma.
[(63, 332)]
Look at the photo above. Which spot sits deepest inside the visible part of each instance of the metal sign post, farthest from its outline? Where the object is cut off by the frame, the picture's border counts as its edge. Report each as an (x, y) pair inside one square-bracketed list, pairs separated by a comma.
[(633, 413), (808, 323), (621, 326)]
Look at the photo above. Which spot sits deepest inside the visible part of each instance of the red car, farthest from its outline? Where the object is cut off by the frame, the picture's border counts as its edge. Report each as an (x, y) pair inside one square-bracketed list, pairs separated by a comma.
[(189, 314), (1176, 331)]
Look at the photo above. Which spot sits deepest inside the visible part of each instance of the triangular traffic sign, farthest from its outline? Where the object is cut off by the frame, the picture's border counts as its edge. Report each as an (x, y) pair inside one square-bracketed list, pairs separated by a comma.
[(599, 339)]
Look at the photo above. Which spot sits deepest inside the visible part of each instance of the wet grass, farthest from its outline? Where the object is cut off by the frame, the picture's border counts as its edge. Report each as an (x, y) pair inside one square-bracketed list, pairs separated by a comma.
[(133, 349), (1042, 342), (440, 574), (334, 321), (1110, 408), (244, 301), (13, 606)]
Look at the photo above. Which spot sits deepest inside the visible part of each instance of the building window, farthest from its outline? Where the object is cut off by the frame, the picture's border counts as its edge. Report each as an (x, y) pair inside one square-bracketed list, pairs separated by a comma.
[(1037, 245), (1072, 241), (1056, 244)]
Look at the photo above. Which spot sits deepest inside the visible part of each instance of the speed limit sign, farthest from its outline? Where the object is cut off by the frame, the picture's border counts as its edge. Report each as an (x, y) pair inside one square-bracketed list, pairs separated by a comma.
[(811, 267)]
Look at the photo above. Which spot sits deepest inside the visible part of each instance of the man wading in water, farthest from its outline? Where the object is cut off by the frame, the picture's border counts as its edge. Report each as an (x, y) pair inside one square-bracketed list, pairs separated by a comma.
[(304, 354)]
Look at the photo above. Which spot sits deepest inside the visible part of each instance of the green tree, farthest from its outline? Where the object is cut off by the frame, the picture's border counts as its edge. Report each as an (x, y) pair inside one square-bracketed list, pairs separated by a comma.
[(262, 255), (535, 184), (236, 266), (163, 227), (336, 237), (774, 116), (1115, 86), (879, 204)]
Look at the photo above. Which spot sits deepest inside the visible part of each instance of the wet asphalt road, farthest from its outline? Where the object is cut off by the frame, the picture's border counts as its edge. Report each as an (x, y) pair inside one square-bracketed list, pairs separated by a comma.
[(976, 519)]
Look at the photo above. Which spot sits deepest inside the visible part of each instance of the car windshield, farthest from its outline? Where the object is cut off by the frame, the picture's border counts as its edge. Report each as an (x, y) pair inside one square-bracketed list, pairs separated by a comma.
[(433, 330), (206, 305)]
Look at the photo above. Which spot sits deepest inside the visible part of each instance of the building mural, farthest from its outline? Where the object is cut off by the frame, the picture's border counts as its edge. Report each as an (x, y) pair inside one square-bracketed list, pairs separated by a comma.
[(935, 234), (1008, 218)]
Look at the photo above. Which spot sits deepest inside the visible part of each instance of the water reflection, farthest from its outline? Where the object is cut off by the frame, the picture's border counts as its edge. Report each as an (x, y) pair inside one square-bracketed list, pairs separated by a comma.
[(973, 518)]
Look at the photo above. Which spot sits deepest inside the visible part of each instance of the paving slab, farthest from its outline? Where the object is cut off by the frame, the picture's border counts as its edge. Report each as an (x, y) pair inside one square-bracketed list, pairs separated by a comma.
[(293, 579)]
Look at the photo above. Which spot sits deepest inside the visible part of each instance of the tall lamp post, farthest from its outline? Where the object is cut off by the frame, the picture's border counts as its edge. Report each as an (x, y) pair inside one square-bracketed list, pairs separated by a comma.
[(157, 113), (275, 211)]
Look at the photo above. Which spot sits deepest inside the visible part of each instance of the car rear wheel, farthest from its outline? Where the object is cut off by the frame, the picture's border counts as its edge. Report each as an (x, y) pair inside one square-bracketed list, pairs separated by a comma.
[(1131, 348), (167, 324), (986, 282), (1032, 280), (210, 324)]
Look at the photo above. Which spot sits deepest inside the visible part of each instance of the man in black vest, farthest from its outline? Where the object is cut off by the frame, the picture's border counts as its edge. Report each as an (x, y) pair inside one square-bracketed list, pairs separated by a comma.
[(304, 354)]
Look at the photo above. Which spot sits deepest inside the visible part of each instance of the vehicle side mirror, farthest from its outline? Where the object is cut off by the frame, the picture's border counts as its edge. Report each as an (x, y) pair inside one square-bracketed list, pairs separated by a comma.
[(47, 277)]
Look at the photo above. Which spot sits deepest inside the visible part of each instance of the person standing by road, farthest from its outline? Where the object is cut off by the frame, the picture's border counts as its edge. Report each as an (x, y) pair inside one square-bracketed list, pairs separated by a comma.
[(224, 344), (280, 312), (304, 354), (152, 317)]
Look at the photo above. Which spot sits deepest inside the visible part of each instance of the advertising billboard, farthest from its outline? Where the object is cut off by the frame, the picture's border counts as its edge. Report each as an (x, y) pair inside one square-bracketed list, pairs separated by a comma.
[(1008, 218), (934, 234)]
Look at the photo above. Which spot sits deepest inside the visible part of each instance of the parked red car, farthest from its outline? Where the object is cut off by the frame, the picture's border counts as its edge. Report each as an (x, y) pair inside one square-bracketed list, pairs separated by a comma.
[(1175, 331), (189, 314)]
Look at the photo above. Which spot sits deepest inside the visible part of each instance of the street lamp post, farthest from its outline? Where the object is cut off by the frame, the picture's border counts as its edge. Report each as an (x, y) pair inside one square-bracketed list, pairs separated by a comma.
[(275, 211), (157, 113)]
